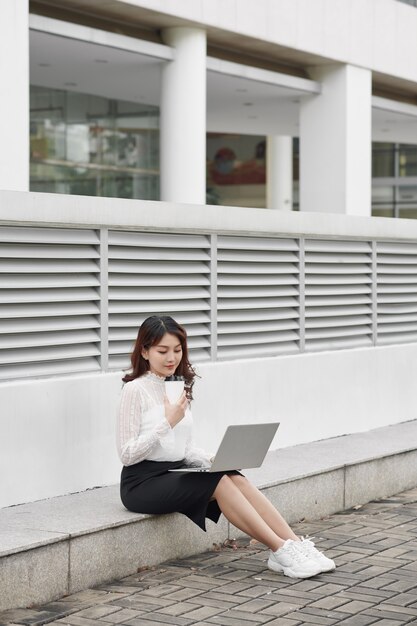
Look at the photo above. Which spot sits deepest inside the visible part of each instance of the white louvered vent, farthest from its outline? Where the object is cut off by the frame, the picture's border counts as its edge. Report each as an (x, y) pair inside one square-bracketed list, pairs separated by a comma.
[(396, 292), (338, 294), (49, 280), (158, 274), (257, 297)]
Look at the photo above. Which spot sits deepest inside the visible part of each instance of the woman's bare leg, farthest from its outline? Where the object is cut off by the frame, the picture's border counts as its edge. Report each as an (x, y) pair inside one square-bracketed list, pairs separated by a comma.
[(263, 506), (241, 513)]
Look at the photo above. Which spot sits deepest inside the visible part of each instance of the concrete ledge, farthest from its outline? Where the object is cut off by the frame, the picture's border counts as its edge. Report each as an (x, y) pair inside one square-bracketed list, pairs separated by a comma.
[(59, 546)]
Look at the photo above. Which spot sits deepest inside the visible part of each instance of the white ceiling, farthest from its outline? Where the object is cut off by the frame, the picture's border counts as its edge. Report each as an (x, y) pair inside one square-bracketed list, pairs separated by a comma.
[(237, 104)]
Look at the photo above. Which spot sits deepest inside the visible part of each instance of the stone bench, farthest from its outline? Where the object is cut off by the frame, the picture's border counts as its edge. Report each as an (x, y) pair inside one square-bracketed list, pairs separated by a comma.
[(55, 547)]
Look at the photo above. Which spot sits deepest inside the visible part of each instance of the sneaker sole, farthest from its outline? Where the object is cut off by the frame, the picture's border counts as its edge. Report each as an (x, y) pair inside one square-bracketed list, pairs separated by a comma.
[(328, 568), (287, 571)]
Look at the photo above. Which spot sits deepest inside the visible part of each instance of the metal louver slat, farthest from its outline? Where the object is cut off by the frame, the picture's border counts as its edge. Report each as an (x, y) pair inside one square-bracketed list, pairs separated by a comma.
[(397, 297), (158, 254), (189, 318), (392, 318), (71, 294), (289, 282), (232, 315), (405, 327), (152, 274), (155, 306), (243, 339), (195, 292), (399, 269), (331, 322), (258, 256), (159, 241), (13, 371), (264, 303), (125, 347), (338, 294), (342, 332), (397, 337), (49, 295), (48, 281), (255, 350), (258, 268), (125, 333), (48, 338), (48, 309), (53, 236), (157, 280), (336, 311), (44, 324), (262, 326), (50, 353), (248, 291), (257, 296), (334, 278), (396, 308), (30, 251), (156, 267), (396, 292), (256, 243), (46, 266), (403, 284), (338, 290), (337, 300)]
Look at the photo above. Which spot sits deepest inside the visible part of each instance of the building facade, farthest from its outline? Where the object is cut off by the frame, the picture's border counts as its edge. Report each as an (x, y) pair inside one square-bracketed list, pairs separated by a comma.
[(229, 163)]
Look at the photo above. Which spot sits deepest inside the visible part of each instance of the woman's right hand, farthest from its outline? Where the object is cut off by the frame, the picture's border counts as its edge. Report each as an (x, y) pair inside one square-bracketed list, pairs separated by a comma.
[(174, 413)]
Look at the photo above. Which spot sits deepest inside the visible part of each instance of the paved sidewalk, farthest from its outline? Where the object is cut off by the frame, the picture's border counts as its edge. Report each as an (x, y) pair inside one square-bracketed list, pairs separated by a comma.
[(375, 547)]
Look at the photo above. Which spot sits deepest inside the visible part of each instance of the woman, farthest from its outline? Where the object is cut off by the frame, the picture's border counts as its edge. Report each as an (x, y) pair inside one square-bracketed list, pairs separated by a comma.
[(155, 436)]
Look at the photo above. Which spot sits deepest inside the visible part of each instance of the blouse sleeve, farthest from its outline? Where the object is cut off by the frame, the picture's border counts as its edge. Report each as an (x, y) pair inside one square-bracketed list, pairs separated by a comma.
[(194, 456), (132, 446)]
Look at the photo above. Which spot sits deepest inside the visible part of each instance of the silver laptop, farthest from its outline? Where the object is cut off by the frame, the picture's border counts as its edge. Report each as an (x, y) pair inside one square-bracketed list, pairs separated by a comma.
[(242, 446)]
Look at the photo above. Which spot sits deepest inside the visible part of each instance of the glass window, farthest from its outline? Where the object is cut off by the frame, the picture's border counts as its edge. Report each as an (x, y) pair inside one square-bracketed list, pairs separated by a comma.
[(383, 160), (407, 160), (383, 211), (236, 170), (407, 193), (88, 145), (409, 212), (382, 193)]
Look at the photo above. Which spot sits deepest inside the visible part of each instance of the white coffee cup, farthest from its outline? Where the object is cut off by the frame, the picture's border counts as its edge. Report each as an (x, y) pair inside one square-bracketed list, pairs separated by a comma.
[(174, 389)]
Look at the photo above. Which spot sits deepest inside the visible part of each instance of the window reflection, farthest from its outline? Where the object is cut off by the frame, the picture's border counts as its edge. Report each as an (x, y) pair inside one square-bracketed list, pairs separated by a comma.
[(82, 144)]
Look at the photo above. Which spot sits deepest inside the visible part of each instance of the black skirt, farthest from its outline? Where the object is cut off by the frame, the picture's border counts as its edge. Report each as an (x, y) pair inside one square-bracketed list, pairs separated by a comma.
[(148, 487)]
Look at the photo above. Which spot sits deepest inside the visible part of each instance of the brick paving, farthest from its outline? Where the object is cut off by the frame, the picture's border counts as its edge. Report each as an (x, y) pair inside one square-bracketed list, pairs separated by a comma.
[(375, 548)]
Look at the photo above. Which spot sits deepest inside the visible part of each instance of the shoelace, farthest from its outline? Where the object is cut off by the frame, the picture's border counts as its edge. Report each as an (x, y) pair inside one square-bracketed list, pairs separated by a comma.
[(307, 545), (295, 553)]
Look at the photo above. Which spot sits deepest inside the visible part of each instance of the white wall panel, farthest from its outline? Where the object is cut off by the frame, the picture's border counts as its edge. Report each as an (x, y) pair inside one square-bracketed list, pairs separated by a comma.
[(58, 434)]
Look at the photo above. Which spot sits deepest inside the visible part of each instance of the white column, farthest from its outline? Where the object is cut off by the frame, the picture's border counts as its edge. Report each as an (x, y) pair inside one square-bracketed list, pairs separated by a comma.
[(14, 95), (183, 117), (335, 143), (279, 173)]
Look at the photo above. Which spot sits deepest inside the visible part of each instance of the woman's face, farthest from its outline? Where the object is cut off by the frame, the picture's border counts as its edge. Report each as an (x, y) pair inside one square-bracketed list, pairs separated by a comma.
[(165, 356)]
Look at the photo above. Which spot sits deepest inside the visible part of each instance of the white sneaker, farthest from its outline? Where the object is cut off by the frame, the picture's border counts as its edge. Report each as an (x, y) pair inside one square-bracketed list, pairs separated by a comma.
[(293, 562), (307, 547)]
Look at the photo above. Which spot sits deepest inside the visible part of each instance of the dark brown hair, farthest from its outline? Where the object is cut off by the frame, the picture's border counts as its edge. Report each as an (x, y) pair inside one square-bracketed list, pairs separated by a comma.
[(150, 334)]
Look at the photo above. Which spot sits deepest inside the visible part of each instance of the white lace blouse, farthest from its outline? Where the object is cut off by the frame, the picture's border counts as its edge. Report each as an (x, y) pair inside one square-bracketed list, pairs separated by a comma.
[(143, 431)]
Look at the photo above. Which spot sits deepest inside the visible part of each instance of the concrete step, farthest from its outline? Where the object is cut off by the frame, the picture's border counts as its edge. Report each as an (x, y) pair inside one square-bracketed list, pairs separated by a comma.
[(55, 547)]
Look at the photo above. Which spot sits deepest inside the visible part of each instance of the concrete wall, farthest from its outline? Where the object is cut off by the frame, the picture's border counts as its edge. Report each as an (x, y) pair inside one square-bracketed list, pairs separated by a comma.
[(57, 435), (376, 34)]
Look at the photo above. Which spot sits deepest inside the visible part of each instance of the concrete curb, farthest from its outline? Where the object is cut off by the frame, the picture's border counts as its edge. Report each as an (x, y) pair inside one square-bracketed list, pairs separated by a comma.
[(67, 544)]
